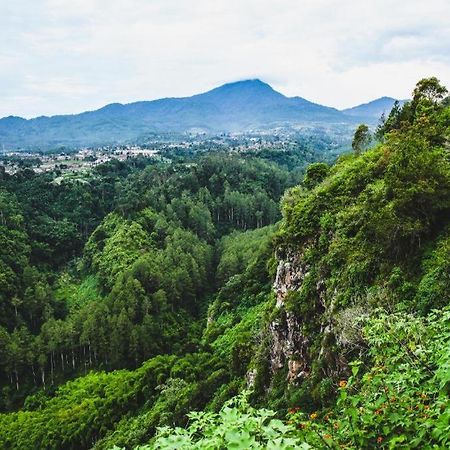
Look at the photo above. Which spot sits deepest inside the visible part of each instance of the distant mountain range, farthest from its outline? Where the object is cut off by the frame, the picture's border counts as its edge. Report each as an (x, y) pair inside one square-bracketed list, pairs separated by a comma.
[(248, 105), (373, 109)]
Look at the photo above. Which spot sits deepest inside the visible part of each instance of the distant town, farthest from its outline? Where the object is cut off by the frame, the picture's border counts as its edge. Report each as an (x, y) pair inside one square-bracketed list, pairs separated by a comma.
[(69, 161), (66, 160)]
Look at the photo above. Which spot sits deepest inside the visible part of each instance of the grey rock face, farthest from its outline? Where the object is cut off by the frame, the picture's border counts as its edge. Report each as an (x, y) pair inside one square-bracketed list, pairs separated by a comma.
[(289, 344)]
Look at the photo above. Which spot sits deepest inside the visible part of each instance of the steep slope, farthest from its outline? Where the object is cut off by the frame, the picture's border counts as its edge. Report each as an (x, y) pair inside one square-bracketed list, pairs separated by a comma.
[(239, 106), (352, 344), (364, 238)]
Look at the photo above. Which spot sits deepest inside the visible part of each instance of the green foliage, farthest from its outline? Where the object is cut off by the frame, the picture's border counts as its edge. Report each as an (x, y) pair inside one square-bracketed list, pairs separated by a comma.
[(315, 174), (146, 269), (240, 251), (125, 242), (401, 400), (433, 287), (237, 426), (76, 294), (428, 101), (371, 214), (15, 250), (373, 233), (193, 380), (241, 335), (84, 409), (176, 259), (361, 139), (237, 313)]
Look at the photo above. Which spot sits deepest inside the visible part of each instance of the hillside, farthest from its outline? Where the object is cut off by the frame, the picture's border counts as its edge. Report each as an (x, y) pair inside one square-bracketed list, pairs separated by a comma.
[(234, 107), (188, 310)]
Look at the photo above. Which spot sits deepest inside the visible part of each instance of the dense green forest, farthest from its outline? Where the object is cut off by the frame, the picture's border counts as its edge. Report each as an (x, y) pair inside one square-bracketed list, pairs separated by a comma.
[(174, 304)]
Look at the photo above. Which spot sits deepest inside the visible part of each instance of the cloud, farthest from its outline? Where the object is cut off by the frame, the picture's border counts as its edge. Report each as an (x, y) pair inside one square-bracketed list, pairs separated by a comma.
[(63, 56)]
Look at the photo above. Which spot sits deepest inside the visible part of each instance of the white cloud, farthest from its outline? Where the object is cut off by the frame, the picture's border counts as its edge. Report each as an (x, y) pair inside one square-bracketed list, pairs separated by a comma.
[(61, 56)]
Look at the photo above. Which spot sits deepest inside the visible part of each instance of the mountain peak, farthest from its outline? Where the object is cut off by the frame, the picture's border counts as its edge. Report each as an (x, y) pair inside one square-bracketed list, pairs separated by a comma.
[(245, 86), (251, 82), (249, 104), (372, 109)]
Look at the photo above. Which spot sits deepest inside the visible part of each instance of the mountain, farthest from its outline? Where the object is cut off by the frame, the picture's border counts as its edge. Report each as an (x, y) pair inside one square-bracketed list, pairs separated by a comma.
[(372, 110), (233, 107), (135, 293)]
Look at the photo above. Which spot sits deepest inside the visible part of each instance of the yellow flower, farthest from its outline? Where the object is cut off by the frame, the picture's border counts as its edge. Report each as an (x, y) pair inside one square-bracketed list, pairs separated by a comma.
[(313, 416), (342, 384)]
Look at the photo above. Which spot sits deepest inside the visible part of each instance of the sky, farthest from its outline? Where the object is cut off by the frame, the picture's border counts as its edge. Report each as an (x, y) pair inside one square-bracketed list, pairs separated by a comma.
[(68, 56)]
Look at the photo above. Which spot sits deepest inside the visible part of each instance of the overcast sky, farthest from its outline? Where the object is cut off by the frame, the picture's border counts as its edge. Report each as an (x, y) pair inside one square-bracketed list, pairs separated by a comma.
[(66, 56)]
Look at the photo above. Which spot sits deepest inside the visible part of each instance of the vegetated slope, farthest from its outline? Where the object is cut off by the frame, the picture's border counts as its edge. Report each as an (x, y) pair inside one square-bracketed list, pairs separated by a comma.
[(362, 296), (140, 284), (369, 235), (353, 345), (240, 106), (356, 348)]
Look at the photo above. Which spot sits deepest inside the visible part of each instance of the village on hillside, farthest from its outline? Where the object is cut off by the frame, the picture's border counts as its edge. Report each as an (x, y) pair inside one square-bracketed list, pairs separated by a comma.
[(70, 161)]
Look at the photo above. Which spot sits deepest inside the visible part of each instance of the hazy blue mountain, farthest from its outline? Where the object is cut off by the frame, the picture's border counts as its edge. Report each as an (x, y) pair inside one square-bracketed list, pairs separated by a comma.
[(373, 109), (240, 106)]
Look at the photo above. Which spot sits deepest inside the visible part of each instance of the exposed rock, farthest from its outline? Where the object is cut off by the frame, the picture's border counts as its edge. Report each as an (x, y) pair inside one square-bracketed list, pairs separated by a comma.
[(289, 344), (290, 275), (296, 369), (287, 341), (251, 377)]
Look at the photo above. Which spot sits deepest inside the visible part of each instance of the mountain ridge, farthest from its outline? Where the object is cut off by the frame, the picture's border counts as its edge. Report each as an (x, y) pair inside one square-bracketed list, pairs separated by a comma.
[(240, 106), (373, 108)]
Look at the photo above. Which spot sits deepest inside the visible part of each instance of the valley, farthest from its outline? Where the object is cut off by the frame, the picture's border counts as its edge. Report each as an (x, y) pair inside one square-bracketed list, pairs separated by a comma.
[(231, 291)]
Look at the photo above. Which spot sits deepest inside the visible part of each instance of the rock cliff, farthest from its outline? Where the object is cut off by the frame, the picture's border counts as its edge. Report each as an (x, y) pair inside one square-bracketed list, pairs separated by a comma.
[(288, 343), (291, 342)]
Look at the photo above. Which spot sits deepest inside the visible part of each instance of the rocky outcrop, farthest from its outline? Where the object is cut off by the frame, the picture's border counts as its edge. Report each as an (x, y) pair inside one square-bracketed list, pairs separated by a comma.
[(290, 274), (288, 343), (291, 335), (251, 377)]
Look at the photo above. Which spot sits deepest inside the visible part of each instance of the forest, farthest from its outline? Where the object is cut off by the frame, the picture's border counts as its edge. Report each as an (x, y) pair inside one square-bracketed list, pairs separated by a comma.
[(214, 300)]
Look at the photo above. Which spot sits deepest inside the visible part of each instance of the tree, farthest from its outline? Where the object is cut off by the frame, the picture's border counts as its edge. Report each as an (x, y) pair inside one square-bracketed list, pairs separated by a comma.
[(428, 97), (315, 174), (361, 139), (392, 121), (429, 89)]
